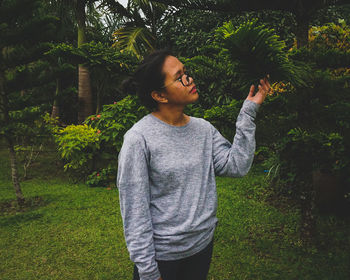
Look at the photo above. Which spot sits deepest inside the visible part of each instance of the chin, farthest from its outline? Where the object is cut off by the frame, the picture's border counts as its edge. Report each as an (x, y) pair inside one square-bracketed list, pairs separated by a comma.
[(196, 97)]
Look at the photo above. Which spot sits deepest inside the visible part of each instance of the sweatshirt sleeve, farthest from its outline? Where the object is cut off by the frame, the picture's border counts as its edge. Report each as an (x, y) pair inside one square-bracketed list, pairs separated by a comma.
[(235, 159), (134, 197)]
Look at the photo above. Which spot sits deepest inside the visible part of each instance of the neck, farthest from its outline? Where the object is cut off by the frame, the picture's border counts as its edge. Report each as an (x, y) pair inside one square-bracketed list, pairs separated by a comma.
[(173, 116)]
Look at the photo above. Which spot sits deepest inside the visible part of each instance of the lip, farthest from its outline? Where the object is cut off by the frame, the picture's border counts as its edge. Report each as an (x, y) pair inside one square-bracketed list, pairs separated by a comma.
[(193, 90)]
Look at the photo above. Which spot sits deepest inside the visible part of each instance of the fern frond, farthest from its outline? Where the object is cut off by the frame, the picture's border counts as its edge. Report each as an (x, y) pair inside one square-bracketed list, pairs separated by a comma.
[(258, 53)]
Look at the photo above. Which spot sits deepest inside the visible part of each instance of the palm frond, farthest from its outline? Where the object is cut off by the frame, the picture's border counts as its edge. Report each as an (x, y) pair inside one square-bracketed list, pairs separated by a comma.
[(154, 4), (116, 8), (209, 5), (151, 10), (138, 40)]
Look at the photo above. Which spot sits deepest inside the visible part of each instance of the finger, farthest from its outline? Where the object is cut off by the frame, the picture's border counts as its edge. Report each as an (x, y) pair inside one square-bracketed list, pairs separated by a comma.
[(264, 84), (251, 91), (268, 83)]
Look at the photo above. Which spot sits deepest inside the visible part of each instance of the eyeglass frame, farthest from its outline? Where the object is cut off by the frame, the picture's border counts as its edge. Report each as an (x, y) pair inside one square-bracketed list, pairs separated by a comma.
[(180, 79)]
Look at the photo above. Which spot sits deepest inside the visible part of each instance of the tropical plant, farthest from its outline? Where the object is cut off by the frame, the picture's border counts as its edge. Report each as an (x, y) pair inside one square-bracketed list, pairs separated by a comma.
[(94, 146), (214, 75), (259, 53), (186, 31), (331, 35), (138, 34), (308, 133), (114, 121), (84, 14), (238, 57), (108, 65)]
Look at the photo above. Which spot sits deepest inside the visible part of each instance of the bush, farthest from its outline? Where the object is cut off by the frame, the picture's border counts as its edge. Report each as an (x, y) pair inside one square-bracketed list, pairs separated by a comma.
[(224, 118), (102, 178), (92, 148), (77, 146), (114, 120)]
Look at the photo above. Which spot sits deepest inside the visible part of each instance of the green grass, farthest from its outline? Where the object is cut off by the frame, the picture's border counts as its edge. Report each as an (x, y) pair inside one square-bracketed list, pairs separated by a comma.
[(75, 232)]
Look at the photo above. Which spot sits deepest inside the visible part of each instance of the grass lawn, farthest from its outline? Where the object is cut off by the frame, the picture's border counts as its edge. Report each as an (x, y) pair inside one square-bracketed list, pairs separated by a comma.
[(75, 232)]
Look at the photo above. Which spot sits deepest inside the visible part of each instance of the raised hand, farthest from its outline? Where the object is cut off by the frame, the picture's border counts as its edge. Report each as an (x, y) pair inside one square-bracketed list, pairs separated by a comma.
[(260, 95)]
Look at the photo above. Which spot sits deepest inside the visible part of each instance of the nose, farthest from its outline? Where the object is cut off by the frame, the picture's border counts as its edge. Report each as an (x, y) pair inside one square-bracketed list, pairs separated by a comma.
[(190, 80)]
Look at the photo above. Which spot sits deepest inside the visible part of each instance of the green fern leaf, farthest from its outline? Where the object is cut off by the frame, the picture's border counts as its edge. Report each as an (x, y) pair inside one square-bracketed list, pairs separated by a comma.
[(258, 53)]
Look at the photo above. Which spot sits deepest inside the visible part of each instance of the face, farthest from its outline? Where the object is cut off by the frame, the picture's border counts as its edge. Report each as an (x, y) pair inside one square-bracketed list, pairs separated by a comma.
[(175, 93)]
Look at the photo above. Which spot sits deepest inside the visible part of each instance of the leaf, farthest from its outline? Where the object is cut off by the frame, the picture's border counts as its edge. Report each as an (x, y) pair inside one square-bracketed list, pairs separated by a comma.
[(135, 39), (258, 52)]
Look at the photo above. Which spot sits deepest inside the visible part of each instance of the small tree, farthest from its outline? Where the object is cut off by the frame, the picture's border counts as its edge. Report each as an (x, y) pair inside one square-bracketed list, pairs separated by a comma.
[(308, 128), (24, 31)]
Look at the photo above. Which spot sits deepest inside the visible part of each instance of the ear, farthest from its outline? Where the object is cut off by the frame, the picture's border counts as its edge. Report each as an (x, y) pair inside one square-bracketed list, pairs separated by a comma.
[(159, 96)]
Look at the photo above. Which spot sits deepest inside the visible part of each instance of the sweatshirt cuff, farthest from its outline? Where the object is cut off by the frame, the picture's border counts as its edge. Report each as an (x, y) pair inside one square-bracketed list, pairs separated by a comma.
[(154, 276), (250, 107)]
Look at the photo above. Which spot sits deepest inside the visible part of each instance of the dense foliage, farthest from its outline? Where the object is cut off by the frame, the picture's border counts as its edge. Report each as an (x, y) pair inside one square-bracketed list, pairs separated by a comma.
[(92, 149), (258, 53), (25, 33)]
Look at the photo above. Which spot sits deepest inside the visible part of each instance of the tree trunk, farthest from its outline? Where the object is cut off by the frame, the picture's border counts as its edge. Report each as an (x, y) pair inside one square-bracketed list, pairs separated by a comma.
[(14, 172), (85, 108), (13, 161), (85, 96), (55, 113), (302, 31), (98, 101)]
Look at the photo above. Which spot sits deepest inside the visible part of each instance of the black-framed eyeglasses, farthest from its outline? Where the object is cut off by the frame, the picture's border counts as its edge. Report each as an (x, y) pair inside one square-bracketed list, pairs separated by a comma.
[(184, 79)]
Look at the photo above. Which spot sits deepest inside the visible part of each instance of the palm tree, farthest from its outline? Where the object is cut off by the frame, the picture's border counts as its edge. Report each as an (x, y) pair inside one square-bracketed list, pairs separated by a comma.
[(65, 33), (302, 9), (84, 88), (78, 9), (137, 33)]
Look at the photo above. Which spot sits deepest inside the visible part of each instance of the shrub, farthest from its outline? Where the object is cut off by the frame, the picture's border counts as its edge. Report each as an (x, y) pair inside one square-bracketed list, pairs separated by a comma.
[(77, 145), (224, 118), (113, 122), (92, 148), (102, 178)]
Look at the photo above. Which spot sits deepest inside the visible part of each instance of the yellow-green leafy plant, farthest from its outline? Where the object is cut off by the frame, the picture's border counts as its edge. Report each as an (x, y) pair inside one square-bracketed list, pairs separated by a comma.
[(77, 144)]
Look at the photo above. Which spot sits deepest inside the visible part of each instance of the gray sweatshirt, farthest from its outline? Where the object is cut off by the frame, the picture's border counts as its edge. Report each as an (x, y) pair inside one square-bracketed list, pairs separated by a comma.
[(167, 189)]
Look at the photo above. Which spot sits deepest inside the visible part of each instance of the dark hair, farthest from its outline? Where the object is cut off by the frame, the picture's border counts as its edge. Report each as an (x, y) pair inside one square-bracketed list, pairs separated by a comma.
[(147, 78)]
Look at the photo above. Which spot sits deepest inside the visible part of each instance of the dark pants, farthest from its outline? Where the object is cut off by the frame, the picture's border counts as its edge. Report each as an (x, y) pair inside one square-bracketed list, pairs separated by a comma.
[(195, 267)]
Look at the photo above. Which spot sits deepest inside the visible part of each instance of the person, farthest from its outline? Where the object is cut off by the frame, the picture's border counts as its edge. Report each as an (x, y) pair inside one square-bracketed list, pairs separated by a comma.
[(166, 172)]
